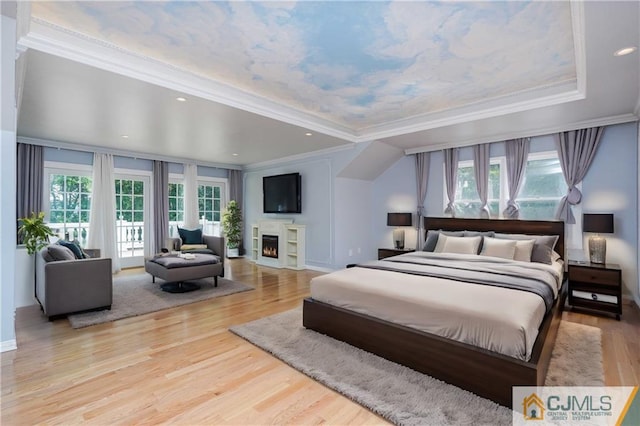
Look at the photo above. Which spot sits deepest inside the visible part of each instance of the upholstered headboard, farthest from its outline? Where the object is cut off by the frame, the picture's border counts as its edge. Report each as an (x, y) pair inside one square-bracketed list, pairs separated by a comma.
[(507, 226)]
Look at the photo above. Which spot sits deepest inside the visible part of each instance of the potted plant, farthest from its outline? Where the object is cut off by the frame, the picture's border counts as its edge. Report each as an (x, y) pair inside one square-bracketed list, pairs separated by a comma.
[(34, 232), (232, 228)]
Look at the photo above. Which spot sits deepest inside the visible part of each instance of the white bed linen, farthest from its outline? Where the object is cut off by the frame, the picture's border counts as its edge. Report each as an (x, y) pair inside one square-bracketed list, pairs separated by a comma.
[(498, 319)]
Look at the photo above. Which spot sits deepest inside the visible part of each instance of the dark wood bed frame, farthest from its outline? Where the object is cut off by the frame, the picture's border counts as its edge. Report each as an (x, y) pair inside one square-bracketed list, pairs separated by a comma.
[(483, 372)]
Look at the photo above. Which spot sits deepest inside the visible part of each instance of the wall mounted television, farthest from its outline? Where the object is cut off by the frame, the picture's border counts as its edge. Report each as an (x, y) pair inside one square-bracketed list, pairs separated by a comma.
[(282, 193)]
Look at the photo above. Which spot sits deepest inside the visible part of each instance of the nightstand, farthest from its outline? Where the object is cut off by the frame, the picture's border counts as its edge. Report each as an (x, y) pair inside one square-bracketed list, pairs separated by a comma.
[(387, 252), (596, 287)]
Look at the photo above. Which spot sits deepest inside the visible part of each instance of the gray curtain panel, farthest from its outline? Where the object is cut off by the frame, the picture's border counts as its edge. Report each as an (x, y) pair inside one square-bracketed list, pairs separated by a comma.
[(235, 193), (29, 170), (481, 172), (451, 178), (576, 150), (422, 177), (517, 151), (161, 205)]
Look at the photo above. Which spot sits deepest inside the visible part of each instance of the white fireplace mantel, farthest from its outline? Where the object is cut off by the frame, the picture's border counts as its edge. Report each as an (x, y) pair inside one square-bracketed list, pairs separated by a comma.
[(291, 243)]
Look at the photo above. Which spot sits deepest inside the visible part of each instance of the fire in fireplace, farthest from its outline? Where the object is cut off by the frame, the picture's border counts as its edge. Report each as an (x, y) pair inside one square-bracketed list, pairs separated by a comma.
[(270, 246)]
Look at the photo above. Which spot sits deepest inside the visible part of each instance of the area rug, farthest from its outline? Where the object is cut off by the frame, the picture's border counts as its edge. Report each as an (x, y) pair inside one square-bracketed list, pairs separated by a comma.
[(402, 395), (137, 295)]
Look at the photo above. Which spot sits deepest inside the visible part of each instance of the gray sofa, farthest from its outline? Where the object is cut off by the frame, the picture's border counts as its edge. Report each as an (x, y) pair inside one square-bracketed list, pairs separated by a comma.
[(215, 244), (73, 285)]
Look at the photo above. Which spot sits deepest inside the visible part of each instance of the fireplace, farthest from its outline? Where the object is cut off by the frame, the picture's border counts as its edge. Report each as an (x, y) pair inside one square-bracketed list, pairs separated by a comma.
[(270, 246)]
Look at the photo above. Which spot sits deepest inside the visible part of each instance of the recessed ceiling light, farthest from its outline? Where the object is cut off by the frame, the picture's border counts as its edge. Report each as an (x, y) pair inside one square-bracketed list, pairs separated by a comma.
[(308, 134), (235, 154), (125, 136), (181, 99), (625, 51)]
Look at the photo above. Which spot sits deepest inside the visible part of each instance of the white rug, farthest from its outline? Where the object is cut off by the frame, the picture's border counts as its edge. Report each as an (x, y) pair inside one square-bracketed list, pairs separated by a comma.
[(137, 295), (402, 395)]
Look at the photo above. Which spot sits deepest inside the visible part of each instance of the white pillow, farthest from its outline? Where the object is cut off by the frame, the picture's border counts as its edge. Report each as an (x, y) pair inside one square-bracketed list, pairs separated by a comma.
[(461, 245), (524, 248), (505, 249)]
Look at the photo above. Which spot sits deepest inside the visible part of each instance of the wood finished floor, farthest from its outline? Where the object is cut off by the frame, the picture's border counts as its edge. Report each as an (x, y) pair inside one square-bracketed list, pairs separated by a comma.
[(182, 365)]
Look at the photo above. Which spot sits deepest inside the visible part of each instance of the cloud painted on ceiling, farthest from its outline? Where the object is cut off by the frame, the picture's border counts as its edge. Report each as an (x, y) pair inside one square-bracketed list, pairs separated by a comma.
[(358, 64)]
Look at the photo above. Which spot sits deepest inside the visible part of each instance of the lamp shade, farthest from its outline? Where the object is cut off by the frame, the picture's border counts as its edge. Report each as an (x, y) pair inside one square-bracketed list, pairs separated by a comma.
[(398, 219), (598, 223)]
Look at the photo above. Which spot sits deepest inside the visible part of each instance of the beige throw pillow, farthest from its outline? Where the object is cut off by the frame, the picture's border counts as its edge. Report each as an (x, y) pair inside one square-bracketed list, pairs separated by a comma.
[(460, 245), (193, 246), (505, 249)]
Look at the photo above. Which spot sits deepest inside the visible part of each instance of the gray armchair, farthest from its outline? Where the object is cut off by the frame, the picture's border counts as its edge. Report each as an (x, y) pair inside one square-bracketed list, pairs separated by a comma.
[(215, 244), (68, 286)]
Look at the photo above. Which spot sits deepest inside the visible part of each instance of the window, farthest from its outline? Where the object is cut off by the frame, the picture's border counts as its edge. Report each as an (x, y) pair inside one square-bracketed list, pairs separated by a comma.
[(176, 206), (131, 218), (467, 199), (67, 202), (543, 187), (210, 204), (540, 193)]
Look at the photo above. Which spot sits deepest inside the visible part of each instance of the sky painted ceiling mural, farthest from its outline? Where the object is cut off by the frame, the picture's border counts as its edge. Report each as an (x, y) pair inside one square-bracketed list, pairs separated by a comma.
[(358, 64)]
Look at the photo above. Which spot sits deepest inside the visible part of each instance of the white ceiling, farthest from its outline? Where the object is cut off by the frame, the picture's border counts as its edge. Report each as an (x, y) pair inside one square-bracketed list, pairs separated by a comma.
[(259, 76)]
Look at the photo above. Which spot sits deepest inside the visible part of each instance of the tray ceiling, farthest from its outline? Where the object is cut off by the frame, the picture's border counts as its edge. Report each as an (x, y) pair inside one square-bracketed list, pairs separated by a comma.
[(259, 76)]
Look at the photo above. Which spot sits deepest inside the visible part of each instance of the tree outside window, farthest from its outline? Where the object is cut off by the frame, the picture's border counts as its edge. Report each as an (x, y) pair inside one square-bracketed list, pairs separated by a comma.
[(467, 199), (69, 205), (539, 196)]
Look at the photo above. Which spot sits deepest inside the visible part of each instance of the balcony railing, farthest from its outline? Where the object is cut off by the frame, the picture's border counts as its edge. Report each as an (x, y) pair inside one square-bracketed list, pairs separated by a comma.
[(208, 227), (130, 236)]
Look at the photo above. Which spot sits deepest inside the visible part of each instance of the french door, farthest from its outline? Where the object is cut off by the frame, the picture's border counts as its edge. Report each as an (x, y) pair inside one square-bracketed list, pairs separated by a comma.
[(132, 219)]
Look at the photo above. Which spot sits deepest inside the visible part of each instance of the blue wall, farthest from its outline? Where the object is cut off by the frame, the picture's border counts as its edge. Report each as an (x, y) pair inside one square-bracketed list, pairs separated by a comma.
[(121, 162), (321, 211)]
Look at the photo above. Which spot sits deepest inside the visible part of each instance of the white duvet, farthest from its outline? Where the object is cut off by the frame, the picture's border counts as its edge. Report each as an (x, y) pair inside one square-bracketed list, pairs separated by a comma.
[(498, 319)]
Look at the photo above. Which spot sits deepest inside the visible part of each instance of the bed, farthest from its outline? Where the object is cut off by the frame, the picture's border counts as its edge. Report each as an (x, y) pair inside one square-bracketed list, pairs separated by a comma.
[(485, 372)]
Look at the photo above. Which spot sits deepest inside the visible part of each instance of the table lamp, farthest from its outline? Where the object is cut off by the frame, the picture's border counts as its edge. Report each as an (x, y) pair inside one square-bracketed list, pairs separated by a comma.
[(598, 224), (397, 220)]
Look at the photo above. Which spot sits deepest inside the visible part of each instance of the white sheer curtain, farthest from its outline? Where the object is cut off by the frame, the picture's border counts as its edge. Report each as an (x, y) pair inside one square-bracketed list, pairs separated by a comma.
[(102, 222), (191, 213)]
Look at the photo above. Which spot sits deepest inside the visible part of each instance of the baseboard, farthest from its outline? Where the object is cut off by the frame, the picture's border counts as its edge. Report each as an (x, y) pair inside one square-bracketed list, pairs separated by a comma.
[(318, 268), (8, 345)]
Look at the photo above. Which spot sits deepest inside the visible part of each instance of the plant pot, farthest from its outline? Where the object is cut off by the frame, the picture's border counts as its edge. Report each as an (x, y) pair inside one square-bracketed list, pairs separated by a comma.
[(233, 252)]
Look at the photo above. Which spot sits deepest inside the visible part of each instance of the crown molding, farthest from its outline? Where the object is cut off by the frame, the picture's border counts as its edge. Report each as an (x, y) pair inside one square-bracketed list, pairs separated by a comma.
[(579, 44), (52, 39), (606, 121), (544, 97), (23, 18), (121, 152), (297, 157)]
